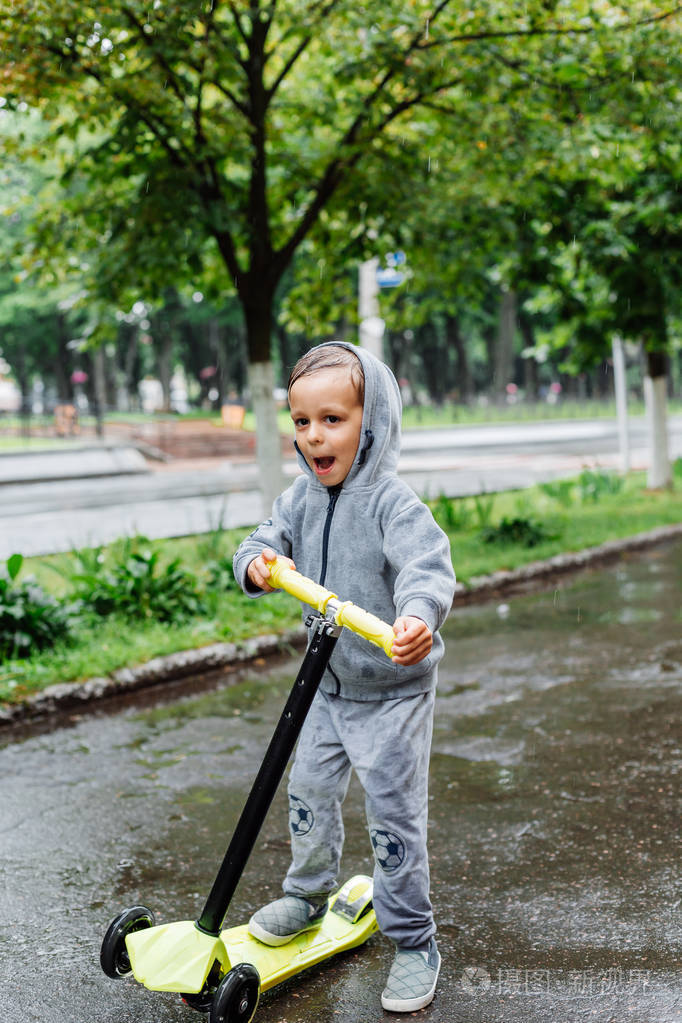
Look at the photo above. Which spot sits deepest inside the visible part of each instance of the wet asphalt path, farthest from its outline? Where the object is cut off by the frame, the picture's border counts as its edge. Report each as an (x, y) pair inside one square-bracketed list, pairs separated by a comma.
[(555, 824)]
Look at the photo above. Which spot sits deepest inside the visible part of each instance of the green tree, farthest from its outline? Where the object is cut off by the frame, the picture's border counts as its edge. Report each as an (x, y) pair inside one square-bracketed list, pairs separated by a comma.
[(241, 122), (36, 324), (610, 225)]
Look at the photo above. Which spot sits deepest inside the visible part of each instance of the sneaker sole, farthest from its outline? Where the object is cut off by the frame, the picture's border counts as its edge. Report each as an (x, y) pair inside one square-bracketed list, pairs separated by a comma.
[(275, 940), (411, 1004)]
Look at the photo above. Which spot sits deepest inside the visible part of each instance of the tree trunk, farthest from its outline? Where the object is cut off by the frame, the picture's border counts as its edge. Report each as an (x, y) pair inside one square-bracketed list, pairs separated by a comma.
[(454, 338), (24, 382), (488, 334), (62, 363), (216, 346), (504, 350), (98, 388), (530, 366), (655, 392), (164, 362), (432, 363), (128, 398), (258, 317)]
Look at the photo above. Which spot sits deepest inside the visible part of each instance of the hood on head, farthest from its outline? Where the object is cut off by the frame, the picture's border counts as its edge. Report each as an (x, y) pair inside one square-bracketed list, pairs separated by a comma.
[(379, 446)]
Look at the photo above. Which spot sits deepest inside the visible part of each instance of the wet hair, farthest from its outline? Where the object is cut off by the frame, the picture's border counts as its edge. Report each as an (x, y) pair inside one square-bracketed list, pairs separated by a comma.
[(330, 357)]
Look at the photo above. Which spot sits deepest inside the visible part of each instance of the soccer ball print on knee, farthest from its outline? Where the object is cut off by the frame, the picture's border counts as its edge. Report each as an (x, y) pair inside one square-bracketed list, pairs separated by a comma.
[(301, 817), (389, 849)]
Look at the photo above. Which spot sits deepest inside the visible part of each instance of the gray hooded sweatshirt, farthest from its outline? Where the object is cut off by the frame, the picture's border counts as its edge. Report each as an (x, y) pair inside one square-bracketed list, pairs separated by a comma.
[(370, 540)]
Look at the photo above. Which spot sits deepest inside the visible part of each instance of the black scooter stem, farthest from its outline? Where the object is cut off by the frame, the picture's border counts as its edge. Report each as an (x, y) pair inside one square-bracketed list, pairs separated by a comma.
[(320, 648)]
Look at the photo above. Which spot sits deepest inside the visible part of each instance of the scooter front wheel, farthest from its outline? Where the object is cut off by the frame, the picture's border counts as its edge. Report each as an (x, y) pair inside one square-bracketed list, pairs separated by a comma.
[(237, 995), (113, 956)]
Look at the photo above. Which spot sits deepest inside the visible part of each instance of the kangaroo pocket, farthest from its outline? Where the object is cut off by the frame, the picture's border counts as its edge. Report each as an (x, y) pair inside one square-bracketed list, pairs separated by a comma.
[(365, 671), (356, 662)]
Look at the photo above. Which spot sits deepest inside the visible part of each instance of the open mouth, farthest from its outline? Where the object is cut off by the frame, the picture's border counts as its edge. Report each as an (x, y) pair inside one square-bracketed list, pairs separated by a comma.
[(324, 465)]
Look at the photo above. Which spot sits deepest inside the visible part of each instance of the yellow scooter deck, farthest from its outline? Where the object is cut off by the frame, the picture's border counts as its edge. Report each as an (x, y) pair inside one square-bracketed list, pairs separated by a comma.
[(179, 957), (348, 924)]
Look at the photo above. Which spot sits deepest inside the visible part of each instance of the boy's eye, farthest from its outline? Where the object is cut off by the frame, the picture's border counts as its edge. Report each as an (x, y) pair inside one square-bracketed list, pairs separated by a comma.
[(300, 422), (332, 419)]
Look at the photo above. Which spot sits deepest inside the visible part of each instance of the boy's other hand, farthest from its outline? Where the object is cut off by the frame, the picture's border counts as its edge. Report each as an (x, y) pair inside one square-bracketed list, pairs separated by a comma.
[(413, 640), (259, 572)]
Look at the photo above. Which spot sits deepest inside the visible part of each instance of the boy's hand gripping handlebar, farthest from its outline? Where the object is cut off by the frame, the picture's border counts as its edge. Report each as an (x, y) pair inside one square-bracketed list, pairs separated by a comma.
[(343, 612)]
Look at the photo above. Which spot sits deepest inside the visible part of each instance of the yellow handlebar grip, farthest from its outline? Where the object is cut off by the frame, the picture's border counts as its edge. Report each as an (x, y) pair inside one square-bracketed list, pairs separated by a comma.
[(367, 625), (348, 614), (298, 585)]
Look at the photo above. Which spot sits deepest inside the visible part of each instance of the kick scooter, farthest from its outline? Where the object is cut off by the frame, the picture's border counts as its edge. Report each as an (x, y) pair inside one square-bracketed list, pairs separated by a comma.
[(222, 971)]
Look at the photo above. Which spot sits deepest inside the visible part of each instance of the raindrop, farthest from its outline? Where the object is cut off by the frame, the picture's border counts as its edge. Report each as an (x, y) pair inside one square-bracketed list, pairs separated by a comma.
[(426, 29)]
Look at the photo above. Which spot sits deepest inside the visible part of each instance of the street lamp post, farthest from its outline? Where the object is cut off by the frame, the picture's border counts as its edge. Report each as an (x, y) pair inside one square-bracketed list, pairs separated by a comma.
[(371, 328), (620, 383), (371, 279)]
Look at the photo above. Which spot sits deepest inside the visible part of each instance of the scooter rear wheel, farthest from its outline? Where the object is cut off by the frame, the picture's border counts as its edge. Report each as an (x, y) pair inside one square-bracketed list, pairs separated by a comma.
[(113, 956), (237, 995)]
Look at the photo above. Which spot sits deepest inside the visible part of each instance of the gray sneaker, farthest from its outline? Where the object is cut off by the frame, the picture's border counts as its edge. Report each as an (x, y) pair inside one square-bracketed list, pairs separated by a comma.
[(412, 980), (283, 919)]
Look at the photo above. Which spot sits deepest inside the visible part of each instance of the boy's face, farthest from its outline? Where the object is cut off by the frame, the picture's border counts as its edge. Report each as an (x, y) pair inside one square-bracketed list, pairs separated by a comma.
[(327, 415)]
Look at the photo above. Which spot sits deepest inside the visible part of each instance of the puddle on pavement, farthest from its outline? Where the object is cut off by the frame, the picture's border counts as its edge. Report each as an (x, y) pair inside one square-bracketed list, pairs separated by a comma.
[(554, 834)]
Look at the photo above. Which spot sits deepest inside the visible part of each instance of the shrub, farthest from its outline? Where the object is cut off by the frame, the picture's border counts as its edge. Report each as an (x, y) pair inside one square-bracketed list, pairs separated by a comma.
[(451, 514), (559, 490), (483, 504), (138, 585), (595, 485), (219, 574), (521, 531), (30, 619)]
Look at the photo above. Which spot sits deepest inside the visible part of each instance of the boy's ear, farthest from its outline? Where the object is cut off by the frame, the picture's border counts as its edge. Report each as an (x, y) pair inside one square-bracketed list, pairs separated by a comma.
[(369, 440)]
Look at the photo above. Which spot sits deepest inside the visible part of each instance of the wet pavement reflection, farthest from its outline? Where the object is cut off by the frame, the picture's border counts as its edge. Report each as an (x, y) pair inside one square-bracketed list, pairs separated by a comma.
[(555, 823)]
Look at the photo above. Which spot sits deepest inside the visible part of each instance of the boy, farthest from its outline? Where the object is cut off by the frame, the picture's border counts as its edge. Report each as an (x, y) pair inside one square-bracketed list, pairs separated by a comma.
[(352, 525)]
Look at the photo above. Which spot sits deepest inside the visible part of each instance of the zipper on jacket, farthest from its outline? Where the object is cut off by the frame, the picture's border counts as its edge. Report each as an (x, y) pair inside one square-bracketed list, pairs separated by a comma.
[(333, 498)]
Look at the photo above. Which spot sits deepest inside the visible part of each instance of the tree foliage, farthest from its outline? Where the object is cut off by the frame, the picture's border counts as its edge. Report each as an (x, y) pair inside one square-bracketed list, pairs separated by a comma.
[(222, 141)]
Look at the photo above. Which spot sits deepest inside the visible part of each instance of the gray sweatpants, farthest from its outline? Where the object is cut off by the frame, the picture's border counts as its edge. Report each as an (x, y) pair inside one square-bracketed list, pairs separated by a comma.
[(388, 744)]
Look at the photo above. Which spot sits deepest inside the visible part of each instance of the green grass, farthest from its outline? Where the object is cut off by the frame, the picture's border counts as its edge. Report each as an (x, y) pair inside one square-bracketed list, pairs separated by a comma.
[(104, 645), (16, 445), (573, 528)]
